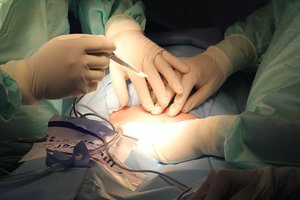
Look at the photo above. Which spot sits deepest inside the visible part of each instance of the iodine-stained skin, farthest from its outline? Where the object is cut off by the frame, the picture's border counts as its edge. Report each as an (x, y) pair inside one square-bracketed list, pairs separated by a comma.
[(138, 114)]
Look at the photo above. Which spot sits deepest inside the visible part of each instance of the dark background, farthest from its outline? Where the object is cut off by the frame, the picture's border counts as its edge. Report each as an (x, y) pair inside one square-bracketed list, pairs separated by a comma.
[(170, 15), (165, 15)]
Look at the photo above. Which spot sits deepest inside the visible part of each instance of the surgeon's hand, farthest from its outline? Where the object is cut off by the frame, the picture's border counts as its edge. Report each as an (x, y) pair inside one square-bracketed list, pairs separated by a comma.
[(66, 66), (205, 75), (173, 142), (142, 53), (261, 183), (210, 69)]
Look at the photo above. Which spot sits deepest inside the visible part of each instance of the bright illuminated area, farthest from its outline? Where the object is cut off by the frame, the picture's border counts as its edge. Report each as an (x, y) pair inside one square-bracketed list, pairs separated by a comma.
[(138, 114), (153, 132)]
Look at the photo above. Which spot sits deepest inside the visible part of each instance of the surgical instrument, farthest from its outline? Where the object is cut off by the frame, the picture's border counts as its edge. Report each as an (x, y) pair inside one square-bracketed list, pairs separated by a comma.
[(117, 59)]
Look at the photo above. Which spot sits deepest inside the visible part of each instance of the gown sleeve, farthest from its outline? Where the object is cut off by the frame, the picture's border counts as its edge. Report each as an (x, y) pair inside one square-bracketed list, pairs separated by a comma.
[(10, 97), (93, 14), (258, 27)]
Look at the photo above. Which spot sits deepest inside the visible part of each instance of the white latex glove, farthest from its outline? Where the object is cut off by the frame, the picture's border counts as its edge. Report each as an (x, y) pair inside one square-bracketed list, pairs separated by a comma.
[(139, 51), (175, 142), (66, 66), (210, 69)]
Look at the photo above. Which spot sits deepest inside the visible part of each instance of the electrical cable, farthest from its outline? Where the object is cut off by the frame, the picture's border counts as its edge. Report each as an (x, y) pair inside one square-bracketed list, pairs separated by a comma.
[(26, 176), (118, 135)]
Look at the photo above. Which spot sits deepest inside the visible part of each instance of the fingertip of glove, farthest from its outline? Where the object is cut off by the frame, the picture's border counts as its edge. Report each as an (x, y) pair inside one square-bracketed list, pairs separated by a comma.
[(173, 110), (123, 103), (157, 110), (149, 107), (185, 109)]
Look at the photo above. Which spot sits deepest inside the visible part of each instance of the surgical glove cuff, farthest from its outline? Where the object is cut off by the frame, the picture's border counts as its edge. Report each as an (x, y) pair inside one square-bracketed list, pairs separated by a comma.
[(212, 133), (19, 72), (221, 59), (240, 51), (120, 23)]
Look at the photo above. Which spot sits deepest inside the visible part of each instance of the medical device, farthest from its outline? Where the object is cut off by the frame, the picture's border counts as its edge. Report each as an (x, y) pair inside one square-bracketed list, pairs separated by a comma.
[(138, 72), (80, 147), (114, 140)]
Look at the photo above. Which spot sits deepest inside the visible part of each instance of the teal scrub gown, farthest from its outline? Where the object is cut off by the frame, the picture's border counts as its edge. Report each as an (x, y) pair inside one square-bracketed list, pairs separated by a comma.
[(24, 27), (268, 131)]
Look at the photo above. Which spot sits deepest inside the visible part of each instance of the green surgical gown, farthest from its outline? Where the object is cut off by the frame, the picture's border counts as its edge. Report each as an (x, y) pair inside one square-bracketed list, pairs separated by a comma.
[(24, 27), (268, 132)]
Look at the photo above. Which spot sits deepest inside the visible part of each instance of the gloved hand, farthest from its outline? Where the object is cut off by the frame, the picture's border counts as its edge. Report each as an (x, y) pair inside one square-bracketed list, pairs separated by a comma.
[(142, 53), (210, 69), (261, 183), (66, 66), (173, 142)]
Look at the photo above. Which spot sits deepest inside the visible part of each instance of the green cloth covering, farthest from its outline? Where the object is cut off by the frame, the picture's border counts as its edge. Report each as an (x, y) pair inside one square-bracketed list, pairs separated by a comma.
[(24, 27), (269, 130)]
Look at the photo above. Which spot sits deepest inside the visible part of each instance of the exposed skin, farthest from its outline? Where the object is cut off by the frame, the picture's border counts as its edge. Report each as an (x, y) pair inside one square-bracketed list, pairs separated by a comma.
[(138, 114)]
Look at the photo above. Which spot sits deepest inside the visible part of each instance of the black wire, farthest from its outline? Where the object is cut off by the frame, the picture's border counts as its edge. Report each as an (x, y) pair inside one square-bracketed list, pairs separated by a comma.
[(73, 108), (76, 113), (148, 171)]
